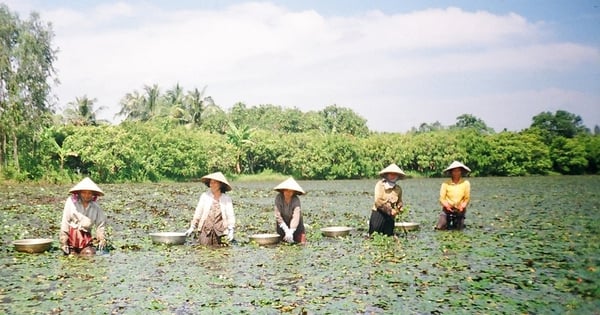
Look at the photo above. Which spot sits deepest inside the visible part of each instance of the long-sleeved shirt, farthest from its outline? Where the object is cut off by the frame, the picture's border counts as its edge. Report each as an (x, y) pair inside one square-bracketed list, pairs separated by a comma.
[(290, 214), (384, 195), (455, 193), (76, 216), (203, 209)]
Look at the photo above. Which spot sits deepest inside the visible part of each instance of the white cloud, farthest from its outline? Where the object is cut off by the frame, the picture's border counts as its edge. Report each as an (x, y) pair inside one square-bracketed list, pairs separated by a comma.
[(260, 53)]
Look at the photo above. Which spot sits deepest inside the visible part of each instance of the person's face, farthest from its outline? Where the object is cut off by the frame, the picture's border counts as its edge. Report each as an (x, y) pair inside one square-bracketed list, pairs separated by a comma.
[(288, 194), (86, 195), (391, 177), (215, 185), (456, 172)]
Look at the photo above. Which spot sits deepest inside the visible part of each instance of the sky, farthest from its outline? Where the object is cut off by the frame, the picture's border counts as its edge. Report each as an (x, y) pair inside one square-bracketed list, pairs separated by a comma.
[(398, 64)]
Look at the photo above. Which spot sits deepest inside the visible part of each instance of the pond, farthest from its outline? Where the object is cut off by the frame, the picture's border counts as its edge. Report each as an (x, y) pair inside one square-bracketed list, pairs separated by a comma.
[(531, 246)]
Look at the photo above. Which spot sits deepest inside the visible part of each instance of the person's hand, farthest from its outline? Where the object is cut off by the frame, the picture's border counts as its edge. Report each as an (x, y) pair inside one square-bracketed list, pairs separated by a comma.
[(289, 236), (101, 244), (284, 227), (189, 231), (65, 248), (76, 226), (387, 208), (230, 234), (448, 207)]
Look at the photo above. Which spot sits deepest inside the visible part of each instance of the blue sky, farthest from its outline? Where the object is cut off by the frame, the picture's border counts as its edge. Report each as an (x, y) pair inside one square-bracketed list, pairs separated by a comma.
[(396, 63)]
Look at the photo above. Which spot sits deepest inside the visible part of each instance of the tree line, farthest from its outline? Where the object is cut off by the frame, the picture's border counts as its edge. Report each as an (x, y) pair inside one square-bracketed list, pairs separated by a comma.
[(182, 135), (157, 150)]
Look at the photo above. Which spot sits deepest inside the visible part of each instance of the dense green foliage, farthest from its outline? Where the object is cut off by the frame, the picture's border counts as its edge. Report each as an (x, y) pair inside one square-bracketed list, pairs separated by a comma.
[(181, 135), (154, 151)]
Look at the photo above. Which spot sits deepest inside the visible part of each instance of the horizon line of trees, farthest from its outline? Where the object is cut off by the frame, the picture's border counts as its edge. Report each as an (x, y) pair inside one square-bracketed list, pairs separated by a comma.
[(156, 150)]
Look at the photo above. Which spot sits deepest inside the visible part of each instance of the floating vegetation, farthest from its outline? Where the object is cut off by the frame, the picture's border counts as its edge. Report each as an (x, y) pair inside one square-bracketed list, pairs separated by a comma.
[(531, 246)]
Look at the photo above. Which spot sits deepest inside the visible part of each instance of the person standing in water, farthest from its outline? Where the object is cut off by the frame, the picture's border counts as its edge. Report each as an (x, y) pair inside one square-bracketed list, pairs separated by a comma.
[(455, 195), (81, 214), (288, 212), (387, 201), (214, 217)]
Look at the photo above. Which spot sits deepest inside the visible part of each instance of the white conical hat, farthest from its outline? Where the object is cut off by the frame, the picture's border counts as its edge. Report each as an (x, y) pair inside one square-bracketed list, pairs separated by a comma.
[(290, 184), (393, 168), (216, 176), (456, 164), (87, 184)]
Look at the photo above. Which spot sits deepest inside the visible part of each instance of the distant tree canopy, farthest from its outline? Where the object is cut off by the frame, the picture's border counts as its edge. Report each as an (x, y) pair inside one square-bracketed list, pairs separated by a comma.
[(559, 132), (561, 123), (464, 121), (195, 110), (467, 121)]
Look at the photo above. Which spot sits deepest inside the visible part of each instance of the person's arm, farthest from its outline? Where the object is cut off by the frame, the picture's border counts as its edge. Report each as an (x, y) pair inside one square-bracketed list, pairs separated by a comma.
[(64, 223), (229, 221), (398, 204), (198, 212), (230, 213), (443, 197), (379, 195), (295, 214), (277, 209), (466, 195), (100, 223)]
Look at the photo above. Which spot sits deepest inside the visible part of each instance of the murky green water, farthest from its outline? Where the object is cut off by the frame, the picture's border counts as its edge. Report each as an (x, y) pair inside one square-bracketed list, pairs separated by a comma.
[(532, 245)]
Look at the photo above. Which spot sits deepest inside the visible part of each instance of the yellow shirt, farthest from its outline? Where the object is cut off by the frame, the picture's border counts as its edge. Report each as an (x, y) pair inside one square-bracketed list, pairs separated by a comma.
[(455, 194)]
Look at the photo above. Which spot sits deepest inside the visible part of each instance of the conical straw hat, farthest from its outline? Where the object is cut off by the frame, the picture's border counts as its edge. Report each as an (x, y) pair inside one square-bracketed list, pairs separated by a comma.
[(216, 176), (87, 184), (456, 164), (290, 184), (393, 168)]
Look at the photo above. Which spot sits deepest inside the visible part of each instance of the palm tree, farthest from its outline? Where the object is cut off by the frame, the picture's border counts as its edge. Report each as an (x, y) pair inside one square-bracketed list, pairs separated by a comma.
[(187, 108), (143, 107), (174, 96), (152, 103), (196, 103), (132, 107), (81, 112), (189, 111), (174, 100)]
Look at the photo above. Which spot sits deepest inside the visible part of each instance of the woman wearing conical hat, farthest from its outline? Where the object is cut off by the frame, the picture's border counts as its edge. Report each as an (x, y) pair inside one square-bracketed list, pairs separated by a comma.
[(455, 195), (288, 212), (214, 218), (80, 215), (387, 202)]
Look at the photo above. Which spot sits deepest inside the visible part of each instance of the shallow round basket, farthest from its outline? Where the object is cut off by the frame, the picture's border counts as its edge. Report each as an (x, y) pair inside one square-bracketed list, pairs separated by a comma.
[(33, 245), (407, 226), (265, 239), (334, 231), (169, 238)]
